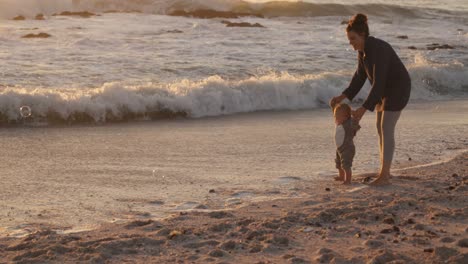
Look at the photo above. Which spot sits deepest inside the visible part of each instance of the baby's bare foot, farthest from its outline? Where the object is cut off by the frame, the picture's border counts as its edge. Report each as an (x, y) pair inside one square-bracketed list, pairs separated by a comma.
[(339, 178)]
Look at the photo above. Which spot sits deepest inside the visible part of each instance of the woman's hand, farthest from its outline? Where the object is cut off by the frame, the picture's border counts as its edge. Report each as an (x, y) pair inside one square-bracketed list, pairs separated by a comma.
[(357, 115), (336, 100)]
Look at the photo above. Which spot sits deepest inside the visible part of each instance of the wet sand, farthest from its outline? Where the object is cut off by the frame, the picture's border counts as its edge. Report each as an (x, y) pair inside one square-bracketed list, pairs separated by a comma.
[(420, 218)]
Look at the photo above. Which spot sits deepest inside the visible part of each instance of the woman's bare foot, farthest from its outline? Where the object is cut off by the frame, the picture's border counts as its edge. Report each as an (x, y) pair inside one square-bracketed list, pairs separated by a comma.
[(380, 181), (347, 182), (377, 175)]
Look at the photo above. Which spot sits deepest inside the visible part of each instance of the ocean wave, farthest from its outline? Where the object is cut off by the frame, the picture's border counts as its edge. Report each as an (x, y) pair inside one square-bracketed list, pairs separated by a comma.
[(213, 96), (30, 8)]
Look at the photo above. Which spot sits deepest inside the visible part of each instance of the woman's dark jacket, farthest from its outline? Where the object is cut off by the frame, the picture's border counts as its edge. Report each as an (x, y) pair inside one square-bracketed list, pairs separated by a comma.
[(391, 83)]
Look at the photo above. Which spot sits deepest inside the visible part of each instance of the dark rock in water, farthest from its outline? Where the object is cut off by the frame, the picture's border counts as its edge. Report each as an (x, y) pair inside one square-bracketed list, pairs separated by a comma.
[(174, 31), (40, 17), (207, 13), (413, 48), (429, 250), (455, 175), (19, 18), (83, 14), (327, 189), (435, 46), (402, 37), (241, 24), (212, 191), (39, 35)]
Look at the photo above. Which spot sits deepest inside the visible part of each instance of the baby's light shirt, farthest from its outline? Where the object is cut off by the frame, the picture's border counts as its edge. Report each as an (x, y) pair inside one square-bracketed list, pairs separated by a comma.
[(345, 132)]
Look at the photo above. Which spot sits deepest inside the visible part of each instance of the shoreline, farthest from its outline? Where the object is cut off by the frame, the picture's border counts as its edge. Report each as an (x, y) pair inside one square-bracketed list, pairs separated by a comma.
[(420, 218), (28, 123)]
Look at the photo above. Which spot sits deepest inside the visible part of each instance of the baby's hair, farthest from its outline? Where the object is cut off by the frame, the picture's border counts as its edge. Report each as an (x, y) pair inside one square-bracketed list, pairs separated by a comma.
[(343, 107)]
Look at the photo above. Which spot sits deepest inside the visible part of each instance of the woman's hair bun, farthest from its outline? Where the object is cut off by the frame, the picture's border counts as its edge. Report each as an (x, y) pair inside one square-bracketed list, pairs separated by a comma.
[(358, 19), (358, 24)]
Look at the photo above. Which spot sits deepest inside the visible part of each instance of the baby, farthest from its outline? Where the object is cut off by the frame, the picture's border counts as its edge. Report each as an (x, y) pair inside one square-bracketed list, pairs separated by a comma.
[(346, 128)]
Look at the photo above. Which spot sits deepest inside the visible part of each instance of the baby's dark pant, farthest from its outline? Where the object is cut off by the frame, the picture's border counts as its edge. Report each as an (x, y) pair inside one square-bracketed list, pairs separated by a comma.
[(344, 157)]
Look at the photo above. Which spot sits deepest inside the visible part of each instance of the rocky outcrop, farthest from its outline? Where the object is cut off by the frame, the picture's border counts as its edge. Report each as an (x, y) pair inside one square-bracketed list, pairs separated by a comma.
[(39, 35), (83, 14), (241, 24), (40, 17), (19, 18)]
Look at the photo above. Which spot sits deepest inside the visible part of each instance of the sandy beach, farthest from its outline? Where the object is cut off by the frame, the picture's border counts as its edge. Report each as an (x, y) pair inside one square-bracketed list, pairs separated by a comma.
[(420, 218)]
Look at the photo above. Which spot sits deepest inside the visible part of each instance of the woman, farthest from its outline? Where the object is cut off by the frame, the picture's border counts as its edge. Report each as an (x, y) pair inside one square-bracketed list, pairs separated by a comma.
[(390, 92)]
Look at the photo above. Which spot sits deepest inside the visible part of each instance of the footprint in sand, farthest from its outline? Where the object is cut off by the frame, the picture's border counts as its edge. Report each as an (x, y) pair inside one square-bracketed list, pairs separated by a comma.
[(242, 194), (237, 198), (156, 202), (287, 179), (187, 206), (360, 187)]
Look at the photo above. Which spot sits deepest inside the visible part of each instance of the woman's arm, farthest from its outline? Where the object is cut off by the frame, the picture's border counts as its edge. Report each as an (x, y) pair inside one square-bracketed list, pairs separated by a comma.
[(358, 80), (354, 87), (357, 115)]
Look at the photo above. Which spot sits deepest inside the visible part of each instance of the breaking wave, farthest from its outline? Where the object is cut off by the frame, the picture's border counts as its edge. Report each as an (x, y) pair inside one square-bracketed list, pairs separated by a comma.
[(213, 96)]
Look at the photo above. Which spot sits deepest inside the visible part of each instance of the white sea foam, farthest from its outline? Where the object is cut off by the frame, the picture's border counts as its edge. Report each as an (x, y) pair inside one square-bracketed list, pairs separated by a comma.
[(437, 80)]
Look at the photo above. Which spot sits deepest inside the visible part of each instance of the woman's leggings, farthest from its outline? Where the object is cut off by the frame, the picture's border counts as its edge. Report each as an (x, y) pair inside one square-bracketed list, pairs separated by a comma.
[(386, 122)]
